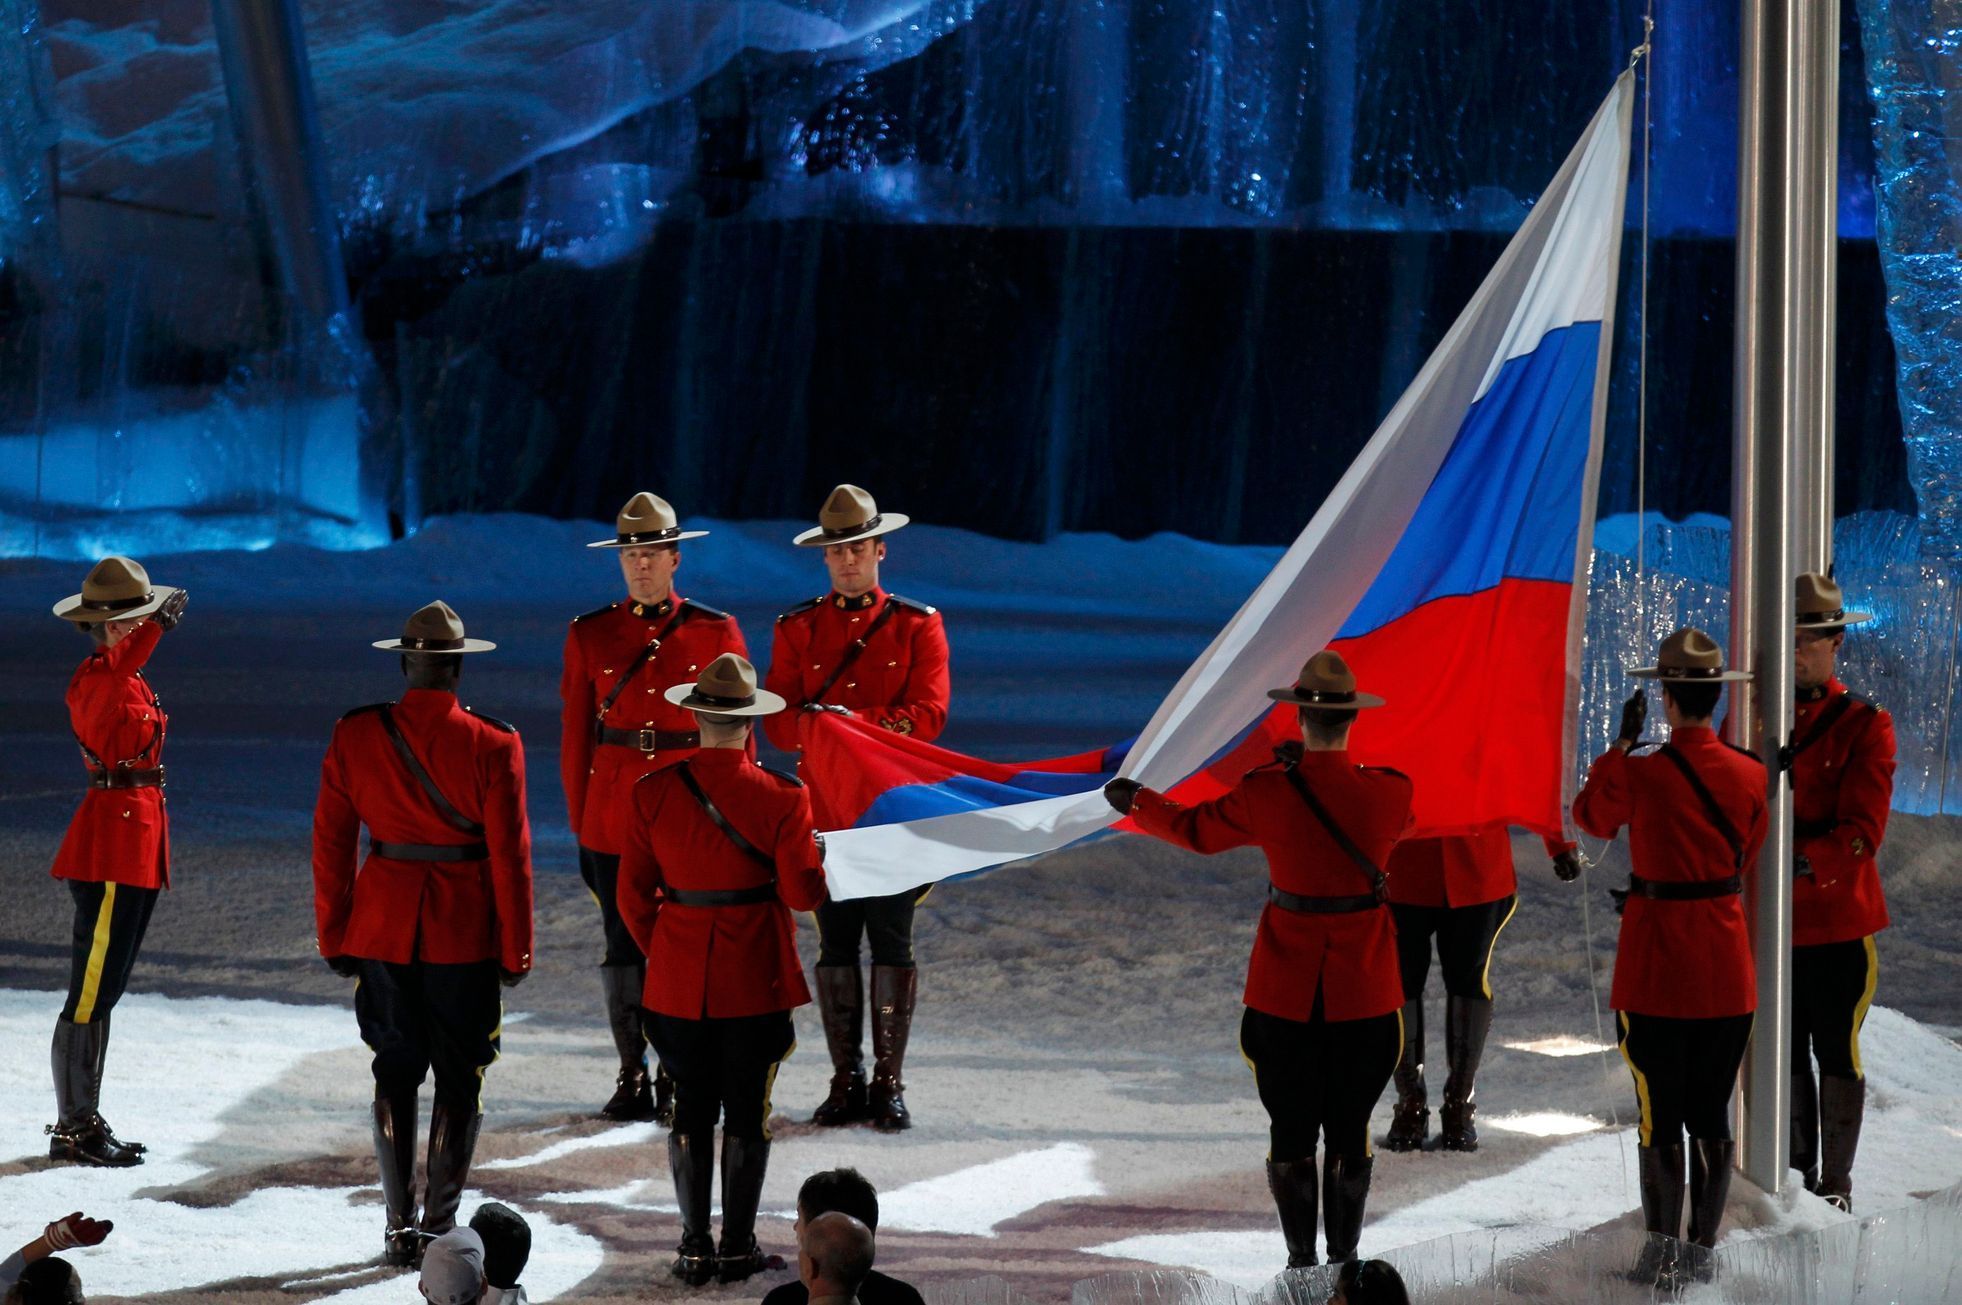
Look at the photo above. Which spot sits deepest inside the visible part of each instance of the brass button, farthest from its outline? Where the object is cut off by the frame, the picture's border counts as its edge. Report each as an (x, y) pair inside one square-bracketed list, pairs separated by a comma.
[(606, 670), (852, 685), (126, 813), (890, 665)]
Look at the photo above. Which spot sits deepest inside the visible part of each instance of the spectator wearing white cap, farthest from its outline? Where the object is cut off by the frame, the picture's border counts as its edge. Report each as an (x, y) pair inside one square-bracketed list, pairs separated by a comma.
[(453, 1269)]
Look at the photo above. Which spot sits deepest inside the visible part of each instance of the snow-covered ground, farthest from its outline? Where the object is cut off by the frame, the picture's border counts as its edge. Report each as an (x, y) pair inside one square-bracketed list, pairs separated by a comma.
[(1082, 1107)]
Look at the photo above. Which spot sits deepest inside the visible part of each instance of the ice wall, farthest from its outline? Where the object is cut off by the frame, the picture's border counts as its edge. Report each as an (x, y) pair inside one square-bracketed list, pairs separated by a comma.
[(1914, 64), (28, 132)]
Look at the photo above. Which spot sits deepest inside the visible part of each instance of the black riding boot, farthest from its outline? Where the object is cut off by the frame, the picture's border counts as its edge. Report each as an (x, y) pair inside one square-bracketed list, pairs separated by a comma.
[(1410, 1123), (841, 1005), (1805, 1126), (452, 1142), (1661, 1174), (1842, 1108), (1293, 1184), (894, 989), (1345, 1191), (1466, 1022), (744, 1162), (633, 1093), (1709, 1187), (78, 1134), (395, 1155), (691, 1161), (101, 1058)]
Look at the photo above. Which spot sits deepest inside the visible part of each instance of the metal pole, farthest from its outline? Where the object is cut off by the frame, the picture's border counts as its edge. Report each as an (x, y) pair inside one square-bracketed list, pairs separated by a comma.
[(1779, 324), (1822, 156), (262, 48)]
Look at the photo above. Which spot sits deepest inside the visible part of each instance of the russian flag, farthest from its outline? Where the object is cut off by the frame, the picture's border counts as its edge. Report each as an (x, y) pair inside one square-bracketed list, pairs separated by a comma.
[(1448, 565)]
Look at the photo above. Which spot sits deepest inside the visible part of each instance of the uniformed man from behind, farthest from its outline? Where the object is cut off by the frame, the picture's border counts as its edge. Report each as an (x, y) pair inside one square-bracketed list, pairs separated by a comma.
[(614, 728), (1685, 987), (719, 852), (882, 659), (1842, 787), (435, 915), (1323, 995)]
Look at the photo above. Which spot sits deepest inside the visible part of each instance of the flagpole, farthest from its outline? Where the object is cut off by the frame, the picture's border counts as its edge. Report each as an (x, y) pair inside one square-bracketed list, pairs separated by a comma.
[(1780, 320)]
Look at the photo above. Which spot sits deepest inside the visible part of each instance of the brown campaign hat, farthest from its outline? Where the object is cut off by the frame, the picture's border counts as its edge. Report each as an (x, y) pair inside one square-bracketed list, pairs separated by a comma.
[(849, 514), (647, 519), (1325, 684), (1821, 606), (434, 629), (726, 687), (117, 589), (1690, 656)]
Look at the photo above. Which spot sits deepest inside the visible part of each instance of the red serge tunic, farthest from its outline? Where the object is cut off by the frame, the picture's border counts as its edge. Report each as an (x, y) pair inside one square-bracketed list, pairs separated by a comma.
[(118, 835), (1842, 786), (445, 912), (1453, 870), (1350, 959), (719, 962), (599, 648), (900, 682), (1681, 959)]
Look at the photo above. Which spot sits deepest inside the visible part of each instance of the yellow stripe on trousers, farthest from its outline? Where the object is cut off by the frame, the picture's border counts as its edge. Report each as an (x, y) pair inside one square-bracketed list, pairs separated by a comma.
[(770, 1087), (98, 956), (1866, 1000), (1485, 975), (1647, 1126)]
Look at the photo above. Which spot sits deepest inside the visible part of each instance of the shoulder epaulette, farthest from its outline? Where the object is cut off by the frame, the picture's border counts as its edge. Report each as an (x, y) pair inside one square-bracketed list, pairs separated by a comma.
[(703, 612), (802, 607), (597, 611), (493, 721), (923, 609), (373, 706), (783, 775)]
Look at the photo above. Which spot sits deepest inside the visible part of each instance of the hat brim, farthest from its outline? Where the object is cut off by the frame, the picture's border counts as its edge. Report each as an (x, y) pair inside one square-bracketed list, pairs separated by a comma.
[(1293, 695), (816, 537), (1846, 619), (647, 543), (71, 609), (1658, 673), (469, 646), (683, 695)]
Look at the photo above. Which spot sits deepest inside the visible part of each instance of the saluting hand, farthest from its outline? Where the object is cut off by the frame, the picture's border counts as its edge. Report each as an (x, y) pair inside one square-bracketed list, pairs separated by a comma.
[(1634, 713), (1121, 793), (172, 610)]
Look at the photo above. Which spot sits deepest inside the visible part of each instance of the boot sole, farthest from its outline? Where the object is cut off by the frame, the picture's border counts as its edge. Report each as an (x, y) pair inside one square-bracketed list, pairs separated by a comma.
[(93, 1162)]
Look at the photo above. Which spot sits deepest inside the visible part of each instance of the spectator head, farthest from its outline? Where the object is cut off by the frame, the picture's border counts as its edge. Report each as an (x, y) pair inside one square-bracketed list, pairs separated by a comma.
[(1368, 1282), (49, 1281), (453, 1269), (844, 1190), (834, 1255), (507, 1242)]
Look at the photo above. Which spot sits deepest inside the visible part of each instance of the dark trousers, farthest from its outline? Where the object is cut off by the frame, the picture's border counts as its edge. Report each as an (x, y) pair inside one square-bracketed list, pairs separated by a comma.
[(110, 921), (1832, 987), (601, 871), (886, 921), (1464, 936), (420, 1016), (722, 1068), (1319, 1076), (1684, 1072)]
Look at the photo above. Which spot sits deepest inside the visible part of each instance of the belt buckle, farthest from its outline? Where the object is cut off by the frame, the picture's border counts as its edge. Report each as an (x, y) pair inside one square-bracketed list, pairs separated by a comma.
[(648, 742)]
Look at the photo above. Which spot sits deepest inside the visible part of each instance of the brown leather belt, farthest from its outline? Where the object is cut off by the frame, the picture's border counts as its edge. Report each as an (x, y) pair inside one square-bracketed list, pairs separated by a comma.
[(1694, 890), (650, 741), (1321, 905), (721, 896), (429, 851), (130, 777)]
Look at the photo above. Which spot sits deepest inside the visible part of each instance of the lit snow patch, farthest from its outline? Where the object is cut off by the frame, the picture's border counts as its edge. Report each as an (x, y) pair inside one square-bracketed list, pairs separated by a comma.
[(972, 1201), (632, 1135), (195, 1079), (1563, 1045), (1545, 1123)]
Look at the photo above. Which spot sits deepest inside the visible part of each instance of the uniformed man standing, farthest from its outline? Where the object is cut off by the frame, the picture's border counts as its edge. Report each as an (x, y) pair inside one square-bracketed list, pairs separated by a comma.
[(1685, 987), (615, 728), (1456, 891), (718, 853), (438, 912), (862, 652), (1842, 787), (1323, 994)]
